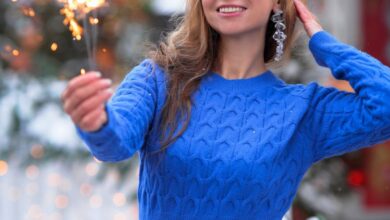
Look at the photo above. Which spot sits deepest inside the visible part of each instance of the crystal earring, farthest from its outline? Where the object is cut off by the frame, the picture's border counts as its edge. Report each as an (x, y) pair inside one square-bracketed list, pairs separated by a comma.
[(279, 36)]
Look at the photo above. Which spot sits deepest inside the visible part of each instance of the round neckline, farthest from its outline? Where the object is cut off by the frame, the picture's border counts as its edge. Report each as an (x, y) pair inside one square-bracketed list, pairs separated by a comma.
[(249, 78), (214, 80)]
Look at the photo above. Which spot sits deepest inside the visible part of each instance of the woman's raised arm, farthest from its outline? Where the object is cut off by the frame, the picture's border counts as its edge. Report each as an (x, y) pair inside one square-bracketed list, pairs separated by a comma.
[(339, 121)]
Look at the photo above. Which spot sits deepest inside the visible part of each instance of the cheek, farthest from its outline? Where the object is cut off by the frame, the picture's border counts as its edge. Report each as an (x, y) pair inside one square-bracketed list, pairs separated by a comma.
[(261, 13), (207, 5), (261, 18), (256, 19), (208, 8)]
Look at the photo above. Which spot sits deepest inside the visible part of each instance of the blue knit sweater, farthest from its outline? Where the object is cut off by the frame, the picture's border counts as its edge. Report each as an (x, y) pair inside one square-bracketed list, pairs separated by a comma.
[(249, 141)]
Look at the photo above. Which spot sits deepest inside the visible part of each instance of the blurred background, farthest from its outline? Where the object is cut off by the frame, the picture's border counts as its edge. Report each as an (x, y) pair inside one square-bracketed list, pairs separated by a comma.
[(46, 172)]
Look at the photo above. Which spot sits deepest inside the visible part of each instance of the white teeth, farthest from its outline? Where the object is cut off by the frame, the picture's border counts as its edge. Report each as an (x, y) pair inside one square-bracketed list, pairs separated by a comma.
[(230, 9)]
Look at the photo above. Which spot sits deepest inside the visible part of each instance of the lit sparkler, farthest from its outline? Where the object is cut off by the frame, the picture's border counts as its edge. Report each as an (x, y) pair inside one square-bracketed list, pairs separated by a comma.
[(75, 10)]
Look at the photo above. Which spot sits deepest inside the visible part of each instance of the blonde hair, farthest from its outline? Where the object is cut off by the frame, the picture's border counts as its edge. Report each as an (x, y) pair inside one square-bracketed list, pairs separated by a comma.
[(190, 51)]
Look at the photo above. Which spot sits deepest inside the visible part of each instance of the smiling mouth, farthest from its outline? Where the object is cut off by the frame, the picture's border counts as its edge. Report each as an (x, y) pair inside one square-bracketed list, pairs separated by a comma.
[(230, 9)]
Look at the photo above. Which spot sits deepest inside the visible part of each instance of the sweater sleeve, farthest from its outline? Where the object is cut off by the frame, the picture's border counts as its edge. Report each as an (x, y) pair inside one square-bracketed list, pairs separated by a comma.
[(340, 121), (130, 111)]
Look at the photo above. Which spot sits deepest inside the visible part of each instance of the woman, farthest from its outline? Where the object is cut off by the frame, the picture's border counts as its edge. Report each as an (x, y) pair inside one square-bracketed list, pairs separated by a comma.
[(218, 134)]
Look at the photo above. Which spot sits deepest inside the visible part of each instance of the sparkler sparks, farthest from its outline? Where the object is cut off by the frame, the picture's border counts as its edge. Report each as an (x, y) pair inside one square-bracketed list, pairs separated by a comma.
[(71, 21), (82, 7)]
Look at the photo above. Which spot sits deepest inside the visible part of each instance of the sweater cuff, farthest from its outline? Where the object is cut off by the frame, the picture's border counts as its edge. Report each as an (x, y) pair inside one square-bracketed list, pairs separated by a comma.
[(319, 43), (104, 134)]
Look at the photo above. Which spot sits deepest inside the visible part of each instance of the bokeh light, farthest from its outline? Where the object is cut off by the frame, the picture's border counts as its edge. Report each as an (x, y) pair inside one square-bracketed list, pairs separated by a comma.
[(3, 168)]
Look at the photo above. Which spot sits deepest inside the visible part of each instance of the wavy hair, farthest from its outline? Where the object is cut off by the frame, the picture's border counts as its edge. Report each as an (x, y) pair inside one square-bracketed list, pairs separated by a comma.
[(189, 51)]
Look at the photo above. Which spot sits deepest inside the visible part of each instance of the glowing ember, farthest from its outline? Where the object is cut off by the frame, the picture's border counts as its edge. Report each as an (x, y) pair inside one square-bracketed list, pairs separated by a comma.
[(15, 53), (93, 20), (28, 11), (54, 46)]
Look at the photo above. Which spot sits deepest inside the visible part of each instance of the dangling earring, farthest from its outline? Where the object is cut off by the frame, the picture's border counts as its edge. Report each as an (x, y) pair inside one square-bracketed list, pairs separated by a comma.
[(279, 35)]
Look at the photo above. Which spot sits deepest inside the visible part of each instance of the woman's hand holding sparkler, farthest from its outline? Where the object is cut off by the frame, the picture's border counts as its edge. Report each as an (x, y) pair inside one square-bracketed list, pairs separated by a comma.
[(84, 99)]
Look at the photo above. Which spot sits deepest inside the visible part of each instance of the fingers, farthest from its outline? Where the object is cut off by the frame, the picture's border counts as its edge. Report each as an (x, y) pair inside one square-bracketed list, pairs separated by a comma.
[(73, 99), (93, 120), (304, 14), (90, 104), (78, 82), (308, 19), (84, 100)]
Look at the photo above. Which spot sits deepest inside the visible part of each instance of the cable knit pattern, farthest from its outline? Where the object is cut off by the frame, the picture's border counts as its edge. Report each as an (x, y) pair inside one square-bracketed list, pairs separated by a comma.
[(249, 141)]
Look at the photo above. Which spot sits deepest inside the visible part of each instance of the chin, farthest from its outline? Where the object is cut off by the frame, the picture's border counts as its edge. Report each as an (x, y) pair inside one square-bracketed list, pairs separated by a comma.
[(234, 31), (230, 32)]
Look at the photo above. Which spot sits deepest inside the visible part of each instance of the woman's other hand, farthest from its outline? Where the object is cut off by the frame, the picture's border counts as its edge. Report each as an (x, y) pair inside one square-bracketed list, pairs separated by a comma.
[(84, 100), (309, 21)]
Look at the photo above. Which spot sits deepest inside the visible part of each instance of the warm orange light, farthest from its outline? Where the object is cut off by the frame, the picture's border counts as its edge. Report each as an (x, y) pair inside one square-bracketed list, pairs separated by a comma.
[(70, 21), (3, 168), (28, 11), (54, 46), (75, 9), (15, 52), (82, 71), (93, 20)]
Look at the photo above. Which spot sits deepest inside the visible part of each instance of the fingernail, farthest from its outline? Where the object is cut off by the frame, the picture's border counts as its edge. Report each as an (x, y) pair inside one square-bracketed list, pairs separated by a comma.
[(111, 91), (107, 81), (98, 74)]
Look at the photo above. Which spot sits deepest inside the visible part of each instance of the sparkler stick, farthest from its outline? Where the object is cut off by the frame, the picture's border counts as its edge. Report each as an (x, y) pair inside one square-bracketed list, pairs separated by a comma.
[(89, 44), (94, 32)]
